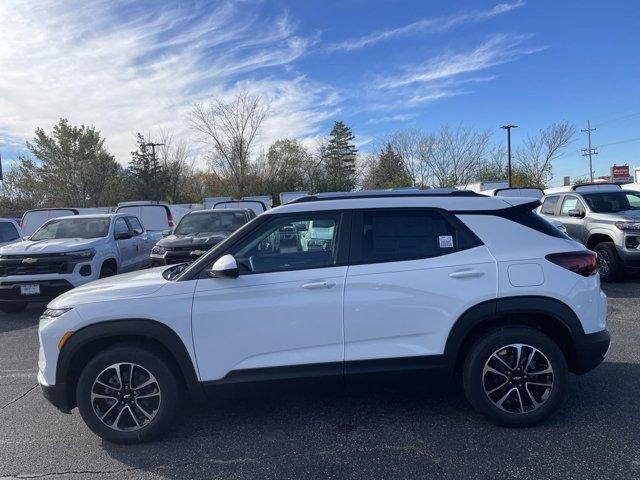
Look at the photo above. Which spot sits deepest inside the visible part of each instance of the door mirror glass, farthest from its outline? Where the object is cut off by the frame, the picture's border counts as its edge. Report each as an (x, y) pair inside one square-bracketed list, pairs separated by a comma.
[(574, 212), (122, 235), (225, 266), (166, 233)]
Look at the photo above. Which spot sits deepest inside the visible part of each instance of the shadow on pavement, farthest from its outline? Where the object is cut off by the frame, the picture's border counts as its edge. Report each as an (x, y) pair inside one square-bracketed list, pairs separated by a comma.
[(366, 433), (19, 321)]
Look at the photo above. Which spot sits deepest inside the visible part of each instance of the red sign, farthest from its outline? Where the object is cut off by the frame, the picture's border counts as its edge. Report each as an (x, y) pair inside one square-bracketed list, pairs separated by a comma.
[(618, 171)]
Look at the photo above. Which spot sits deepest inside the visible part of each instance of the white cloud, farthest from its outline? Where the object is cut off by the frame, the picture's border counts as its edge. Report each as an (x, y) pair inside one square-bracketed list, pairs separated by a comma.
[(126, 66), (427, 25), (401, 117)]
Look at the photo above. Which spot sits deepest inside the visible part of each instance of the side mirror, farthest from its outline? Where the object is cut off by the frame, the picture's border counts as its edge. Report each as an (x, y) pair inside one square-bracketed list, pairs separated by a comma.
[(225, 266), (166, 233), (122, 235), (576, 213), (26, 237), (301, 227)]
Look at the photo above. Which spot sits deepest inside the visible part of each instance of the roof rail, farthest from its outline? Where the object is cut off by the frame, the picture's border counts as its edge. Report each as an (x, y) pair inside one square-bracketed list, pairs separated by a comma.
[(434, 192)]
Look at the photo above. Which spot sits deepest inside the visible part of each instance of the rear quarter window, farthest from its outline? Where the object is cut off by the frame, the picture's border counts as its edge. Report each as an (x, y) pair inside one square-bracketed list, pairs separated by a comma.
[(8, 232)]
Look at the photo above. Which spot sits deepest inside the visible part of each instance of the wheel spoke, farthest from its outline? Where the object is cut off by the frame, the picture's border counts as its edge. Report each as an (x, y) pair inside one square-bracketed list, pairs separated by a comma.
[(106, 397), (505, 396), (107, 386), (502, 361), (145, 384), (108, 411), (493, 390), (148, 395), (520, 401), (144, 412), (531, 397), (540, 384)]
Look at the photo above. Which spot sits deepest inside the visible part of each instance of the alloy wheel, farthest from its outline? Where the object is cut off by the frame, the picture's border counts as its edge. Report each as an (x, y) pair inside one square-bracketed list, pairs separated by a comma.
[(604, 262), (125, 396), (518, 378)]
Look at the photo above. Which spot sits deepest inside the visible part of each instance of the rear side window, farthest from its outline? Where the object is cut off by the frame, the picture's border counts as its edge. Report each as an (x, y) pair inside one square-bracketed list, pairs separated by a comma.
[(394, 235), (8, 232), (153, 217), (549, 205)]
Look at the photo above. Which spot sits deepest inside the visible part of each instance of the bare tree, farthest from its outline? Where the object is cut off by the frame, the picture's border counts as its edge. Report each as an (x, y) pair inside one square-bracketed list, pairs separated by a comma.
[(455, 155), (177, 165), (536, 155), (413, 147), (229, 128)]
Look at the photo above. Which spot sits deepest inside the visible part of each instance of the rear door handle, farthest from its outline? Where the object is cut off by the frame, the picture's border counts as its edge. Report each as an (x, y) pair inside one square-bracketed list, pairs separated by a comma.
[(466, 274), (317, 285)]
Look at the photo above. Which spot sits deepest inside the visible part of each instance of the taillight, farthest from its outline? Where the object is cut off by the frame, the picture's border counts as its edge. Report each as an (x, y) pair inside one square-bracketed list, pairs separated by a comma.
[(583, 262), (170, 218)]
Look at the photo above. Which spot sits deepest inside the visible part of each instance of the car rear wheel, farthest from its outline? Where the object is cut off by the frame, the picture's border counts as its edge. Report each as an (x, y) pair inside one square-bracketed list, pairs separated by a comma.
[(12, 307), (610, 266), (516, 376), (128, 394)]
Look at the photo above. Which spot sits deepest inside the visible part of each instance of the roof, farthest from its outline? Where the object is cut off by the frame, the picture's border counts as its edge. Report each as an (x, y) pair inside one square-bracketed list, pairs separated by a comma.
[(468, 201)]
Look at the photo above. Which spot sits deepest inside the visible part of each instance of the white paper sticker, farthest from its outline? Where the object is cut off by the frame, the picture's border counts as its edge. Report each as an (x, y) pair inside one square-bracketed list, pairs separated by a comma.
[(446, 241)]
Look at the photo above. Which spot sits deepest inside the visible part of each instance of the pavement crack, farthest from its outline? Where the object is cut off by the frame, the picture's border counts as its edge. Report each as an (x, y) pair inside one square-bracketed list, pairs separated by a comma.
[(19, 397), (69, 472)]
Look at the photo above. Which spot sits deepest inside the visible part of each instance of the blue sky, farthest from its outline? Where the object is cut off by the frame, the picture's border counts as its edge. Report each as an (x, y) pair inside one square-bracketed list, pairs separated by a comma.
[(378, 65)]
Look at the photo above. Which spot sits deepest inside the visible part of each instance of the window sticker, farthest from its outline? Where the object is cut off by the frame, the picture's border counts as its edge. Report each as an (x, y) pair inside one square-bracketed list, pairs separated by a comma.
[(446, 241)]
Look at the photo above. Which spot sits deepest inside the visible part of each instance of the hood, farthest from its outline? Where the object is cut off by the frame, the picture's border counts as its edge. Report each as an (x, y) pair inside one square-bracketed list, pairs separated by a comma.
[(193, 240), (127, 285), (632, 215), (60, 245)]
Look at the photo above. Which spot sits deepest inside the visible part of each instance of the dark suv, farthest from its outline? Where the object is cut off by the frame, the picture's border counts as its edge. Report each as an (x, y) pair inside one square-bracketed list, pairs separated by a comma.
[(196, 233)]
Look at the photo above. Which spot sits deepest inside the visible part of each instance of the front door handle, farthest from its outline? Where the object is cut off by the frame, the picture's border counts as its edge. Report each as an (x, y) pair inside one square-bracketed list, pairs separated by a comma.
[(466, 274), (317, 285)]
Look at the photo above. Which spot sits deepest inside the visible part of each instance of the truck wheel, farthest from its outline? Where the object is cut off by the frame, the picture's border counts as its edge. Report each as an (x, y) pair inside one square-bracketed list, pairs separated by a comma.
[(12, 307), (610, 266), (128, 394), (516, 376), (107, 271)]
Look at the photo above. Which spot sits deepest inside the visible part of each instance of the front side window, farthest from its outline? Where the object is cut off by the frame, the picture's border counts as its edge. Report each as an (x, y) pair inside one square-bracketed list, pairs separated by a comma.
[(570, 203), (8, 232), (136, 226), (73, 228), (549, 205), (612, 202), (120, 226), (290, 243), (398, 235)]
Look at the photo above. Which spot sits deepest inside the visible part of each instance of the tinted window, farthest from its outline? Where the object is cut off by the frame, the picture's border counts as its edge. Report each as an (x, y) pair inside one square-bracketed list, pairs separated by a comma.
[(211, 221), (396, 235), (570, 203), (73, 228), (120, 226), (549, 205), (612, 202), (8, 232), (135, 225), (290, 243)]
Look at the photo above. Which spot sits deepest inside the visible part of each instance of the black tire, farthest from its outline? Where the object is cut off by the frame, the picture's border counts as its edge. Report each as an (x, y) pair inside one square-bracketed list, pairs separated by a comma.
[(107, 271), (164, 411), (475, 381), (610, 266), (12, 307)]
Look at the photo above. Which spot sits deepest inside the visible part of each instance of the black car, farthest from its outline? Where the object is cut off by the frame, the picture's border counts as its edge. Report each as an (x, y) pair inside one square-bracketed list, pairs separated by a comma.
[(196, 233)]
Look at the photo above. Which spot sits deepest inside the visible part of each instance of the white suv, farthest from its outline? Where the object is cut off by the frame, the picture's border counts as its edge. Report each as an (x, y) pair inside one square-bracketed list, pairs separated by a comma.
[(432, 282)]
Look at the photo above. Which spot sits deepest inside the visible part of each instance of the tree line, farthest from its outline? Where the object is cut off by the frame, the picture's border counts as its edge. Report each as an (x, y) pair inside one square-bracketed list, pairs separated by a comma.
[(70, 166)]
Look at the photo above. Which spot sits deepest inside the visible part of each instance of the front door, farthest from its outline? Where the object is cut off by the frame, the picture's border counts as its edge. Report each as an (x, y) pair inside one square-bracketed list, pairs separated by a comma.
[(284, 309), (126, 246), (575, 225), (413, 272)]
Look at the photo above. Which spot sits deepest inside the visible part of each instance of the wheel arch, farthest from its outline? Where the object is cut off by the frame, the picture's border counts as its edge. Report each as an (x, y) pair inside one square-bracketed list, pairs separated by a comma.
[(596, 238), (111, 261), (551, 316), (88, 341)]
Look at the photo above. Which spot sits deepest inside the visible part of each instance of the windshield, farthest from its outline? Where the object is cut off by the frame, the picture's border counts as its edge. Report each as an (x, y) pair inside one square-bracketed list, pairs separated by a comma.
[(73, 228), (612, 202), (218, 221)]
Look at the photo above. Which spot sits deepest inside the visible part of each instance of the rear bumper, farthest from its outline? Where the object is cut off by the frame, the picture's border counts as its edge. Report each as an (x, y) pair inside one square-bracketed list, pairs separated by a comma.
[(591, 350), (49, 289)]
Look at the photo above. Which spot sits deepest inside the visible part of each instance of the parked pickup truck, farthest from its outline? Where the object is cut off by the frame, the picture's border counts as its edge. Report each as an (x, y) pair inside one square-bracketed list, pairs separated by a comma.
[(69, 251)]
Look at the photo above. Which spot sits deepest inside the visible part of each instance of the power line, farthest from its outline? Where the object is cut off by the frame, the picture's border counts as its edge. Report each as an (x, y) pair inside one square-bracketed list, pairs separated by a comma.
[(617, 119), (628, 140), (589, 151)]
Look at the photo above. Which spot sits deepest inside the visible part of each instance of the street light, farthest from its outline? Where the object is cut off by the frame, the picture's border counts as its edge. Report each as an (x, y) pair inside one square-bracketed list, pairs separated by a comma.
[(508, 129)]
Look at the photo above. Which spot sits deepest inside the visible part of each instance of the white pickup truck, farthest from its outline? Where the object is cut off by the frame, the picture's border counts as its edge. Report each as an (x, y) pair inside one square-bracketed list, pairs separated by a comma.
[(69, 251)]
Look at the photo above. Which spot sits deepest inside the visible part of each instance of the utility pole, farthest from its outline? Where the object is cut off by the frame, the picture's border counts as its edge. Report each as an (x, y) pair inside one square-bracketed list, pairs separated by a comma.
[(588, 152), (508, 129)]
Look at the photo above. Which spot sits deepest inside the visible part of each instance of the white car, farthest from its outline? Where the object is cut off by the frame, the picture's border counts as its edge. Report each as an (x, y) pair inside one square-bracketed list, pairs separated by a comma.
[(70, 251), (423, 282)]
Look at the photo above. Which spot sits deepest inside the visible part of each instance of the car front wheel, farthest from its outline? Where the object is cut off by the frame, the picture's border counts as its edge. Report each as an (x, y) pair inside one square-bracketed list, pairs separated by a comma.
[(516, 376), (128, 394)]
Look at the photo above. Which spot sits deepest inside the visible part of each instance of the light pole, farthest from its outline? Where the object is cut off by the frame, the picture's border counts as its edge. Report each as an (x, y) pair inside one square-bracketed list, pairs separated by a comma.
[(508, 129)]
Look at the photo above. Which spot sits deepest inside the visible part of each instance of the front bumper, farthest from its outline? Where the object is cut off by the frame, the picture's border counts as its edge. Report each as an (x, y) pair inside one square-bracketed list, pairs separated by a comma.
[(591, 350), (55, 394), (49, 289)]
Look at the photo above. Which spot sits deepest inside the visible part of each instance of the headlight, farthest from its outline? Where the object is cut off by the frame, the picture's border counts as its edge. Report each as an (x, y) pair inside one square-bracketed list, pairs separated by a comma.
[(158, 250), (628, 225), (54, 312), (82, 254)]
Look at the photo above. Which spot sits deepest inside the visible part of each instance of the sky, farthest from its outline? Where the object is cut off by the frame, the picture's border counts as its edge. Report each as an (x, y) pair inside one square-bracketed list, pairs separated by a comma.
[(379, 65)]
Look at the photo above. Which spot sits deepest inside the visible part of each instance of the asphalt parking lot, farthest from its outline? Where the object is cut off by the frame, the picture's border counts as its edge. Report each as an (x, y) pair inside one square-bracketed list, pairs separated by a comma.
[(387, 433)]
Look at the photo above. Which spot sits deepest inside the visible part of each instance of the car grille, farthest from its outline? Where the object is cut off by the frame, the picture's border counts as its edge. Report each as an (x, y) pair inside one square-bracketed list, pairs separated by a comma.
[(33, 265), (183, 254)]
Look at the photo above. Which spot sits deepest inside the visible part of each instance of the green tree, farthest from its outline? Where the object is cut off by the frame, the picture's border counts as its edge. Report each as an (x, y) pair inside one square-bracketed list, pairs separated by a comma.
[(387, 170), (339, 158), (147, 172)]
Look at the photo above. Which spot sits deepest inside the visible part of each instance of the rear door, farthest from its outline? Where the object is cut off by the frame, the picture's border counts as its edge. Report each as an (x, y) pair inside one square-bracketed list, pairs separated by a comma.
[(412, 273)]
